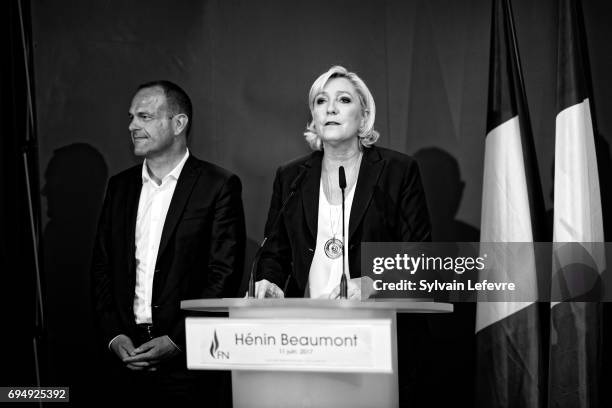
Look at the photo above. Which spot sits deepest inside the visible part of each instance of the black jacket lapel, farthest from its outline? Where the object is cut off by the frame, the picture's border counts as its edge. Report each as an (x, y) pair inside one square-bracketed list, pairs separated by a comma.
[(132, 198), (183, 189), (369, 172), (310, 192)]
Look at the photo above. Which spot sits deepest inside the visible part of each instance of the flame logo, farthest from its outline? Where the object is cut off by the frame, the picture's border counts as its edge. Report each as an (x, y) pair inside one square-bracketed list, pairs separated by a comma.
[(214, 345)]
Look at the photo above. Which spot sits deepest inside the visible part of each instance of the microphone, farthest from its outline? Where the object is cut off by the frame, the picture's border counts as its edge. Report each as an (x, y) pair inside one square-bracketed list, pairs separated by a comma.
[(343, 283), (341, 178), (295, 184)]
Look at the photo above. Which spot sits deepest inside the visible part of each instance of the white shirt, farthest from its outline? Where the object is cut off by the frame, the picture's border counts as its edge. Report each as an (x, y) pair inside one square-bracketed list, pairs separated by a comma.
[(152, 210), (325, 273)]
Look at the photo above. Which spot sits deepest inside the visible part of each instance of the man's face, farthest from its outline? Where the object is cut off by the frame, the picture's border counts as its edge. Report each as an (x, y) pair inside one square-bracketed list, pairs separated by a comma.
[(151, 123)]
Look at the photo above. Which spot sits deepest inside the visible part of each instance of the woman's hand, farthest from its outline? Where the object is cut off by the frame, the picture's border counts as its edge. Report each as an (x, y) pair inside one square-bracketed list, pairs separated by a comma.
[(354, 289), (266, 289)]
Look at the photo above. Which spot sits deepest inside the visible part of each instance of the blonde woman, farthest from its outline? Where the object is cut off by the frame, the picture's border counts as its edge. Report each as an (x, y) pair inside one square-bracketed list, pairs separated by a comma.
[(384, 199)]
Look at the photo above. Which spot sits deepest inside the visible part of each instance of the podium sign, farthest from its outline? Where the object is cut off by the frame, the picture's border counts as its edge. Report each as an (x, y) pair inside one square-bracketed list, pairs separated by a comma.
[(302, 352), (325, 345)]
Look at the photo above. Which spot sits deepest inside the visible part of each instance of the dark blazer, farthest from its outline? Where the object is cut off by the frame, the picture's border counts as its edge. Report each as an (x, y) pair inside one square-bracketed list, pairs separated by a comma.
[(201, 251), (388, 205)]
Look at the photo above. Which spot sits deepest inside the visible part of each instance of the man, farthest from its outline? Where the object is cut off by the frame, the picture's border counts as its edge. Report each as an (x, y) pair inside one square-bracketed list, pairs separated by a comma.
[(170, 229)]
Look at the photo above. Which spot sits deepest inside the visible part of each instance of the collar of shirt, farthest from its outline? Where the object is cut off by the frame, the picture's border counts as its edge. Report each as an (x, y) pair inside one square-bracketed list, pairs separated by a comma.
[(175, 173)]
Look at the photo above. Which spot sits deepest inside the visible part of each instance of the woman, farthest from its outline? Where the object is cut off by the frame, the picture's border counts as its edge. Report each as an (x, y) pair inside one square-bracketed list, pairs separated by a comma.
[(384, 197)]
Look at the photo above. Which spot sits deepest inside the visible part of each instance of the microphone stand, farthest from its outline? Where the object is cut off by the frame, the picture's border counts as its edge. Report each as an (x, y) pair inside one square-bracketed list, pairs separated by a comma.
[(343, 282), (292, 189)]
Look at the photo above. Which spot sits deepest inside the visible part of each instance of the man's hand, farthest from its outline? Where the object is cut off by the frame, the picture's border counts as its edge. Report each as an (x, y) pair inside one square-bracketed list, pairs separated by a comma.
[(152, 353), (266, 289), (123, 347), (353, 289)]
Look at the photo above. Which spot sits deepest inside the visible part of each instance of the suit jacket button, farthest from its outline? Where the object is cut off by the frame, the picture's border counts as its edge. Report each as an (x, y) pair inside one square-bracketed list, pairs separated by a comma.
[(157, 270), (155, 306), (310, 250)]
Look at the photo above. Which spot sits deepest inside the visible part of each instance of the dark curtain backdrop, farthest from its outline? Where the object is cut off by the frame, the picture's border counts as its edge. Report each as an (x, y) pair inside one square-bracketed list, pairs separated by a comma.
[(18, 308), (248, 66)]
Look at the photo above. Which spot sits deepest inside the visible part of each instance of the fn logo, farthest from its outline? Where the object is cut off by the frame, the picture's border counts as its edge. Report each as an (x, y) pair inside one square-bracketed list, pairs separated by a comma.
[(214, 349)]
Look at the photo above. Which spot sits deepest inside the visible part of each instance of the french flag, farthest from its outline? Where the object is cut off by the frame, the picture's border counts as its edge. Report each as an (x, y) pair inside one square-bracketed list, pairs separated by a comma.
[(578, 253), (509, 361)]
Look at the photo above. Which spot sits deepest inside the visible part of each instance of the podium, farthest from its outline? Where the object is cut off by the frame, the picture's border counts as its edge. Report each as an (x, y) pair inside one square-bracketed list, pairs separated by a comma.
[(344, 386)]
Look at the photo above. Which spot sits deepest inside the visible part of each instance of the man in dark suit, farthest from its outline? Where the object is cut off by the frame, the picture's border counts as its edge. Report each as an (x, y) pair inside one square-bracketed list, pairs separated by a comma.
[(170, 229)]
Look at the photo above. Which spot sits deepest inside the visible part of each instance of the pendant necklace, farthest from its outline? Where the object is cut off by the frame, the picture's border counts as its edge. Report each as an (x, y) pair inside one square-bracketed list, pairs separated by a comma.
[(333, 247)]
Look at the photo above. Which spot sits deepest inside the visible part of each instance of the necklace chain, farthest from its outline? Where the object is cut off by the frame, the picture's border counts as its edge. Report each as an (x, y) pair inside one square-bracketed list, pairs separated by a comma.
[(333, 247), (335, 219), (352, 176)]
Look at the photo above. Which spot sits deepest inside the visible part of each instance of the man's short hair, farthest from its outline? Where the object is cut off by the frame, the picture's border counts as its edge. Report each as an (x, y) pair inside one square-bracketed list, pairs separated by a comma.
[(177, 99)]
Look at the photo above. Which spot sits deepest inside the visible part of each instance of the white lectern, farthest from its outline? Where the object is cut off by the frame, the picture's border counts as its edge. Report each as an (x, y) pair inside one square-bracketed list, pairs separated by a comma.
[(286, 388)]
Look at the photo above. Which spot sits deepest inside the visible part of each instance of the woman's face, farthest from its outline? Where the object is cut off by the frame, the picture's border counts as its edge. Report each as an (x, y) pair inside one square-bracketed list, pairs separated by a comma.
[(337, 112)]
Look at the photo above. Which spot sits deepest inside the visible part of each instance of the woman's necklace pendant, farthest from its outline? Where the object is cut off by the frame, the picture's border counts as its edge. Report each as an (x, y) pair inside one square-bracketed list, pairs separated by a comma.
[(333, 248)]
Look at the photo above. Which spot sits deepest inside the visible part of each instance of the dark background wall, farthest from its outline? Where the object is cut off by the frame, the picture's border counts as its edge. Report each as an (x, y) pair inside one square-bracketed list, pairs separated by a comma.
[(248, 66)]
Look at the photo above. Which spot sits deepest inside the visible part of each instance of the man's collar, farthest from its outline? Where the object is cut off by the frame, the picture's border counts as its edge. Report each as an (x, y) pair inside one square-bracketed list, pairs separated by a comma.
[(175, 173)]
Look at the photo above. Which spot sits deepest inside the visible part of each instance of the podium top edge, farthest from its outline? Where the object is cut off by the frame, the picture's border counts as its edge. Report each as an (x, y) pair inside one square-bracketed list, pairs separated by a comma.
[(400, 306)]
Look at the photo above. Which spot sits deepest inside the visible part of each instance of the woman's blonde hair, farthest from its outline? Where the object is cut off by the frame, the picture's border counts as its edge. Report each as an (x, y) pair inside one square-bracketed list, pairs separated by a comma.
[(367, 135)]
